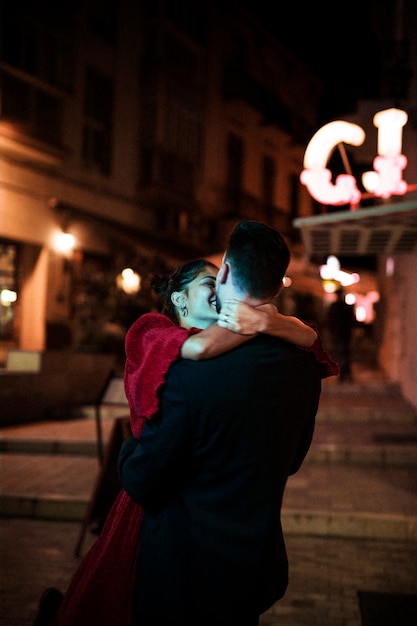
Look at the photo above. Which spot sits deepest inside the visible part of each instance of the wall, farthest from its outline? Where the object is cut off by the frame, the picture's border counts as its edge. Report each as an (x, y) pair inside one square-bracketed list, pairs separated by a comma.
[(65, 381), (398, 350)]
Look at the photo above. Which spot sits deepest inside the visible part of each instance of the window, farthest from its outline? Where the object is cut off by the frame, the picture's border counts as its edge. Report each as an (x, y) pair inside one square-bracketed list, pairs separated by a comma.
[(102, 19), (39, 46), (30, 109), (180, 60), (268, 181), (37, 67), (176, 174), (8, 289), (98, 121), (234, 171), (190, 17), (182, 132)]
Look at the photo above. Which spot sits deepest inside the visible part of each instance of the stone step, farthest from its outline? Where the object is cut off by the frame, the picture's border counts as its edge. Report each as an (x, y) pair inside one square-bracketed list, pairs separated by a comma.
[(365, 403), (53, 447), (359, 478), (321, 499), (388, 445), (383, 441), (365, 413)]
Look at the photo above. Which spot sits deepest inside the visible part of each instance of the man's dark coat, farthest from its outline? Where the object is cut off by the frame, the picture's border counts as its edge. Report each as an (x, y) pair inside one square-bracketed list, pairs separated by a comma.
[(210, 470)]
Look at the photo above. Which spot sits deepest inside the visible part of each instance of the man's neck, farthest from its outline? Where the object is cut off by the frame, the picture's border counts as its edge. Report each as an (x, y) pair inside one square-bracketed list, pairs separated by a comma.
[(249, 300)]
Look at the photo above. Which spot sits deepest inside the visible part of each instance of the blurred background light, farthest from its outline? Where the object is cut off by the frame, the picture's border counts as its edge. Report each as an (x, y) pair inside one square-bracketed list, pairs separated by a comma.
[(129, 281)]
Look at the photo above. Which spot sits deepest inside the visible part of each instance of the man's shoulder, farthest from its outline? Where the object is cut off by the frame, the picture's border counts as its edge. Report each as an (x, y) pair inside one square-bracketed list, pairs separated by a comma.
[(257, 348)]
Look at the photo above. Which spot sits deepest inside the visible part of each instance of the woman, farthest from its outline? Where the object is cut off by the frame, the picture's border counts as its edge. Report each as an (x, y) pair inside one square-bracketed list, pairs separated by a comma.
[(101, 591), (188, 300)]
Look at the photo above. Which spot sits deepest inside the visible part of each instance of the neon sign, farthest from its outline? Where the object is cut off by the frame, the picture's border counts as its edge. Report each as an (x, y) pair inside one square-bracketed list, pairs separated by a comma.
[(386, 178)]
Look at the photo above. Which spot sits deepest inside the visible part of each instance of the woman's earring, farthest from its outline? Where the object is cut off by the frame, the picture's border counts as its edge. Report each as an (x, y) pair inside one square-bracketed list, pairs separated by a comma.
[(184, 311)]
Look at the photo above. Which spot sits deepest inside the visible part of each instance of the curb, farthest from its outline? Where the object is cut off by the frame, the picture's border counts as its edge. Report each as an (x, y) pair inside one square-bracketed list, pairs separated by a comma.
[(389, 456), (356, 525), (44, 446), (294, 522)]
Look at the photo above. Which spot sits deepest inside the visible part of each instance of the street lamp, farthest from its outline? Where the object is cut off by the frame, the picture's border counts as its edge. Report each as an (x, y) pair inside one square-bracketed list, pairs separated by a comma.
[(63, 242)]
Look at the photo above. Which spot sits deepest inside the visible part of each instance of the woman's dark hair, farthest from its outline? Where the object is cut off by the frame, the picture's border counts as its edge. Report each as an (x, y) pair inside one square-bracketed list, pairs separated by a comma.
[(181, 277)]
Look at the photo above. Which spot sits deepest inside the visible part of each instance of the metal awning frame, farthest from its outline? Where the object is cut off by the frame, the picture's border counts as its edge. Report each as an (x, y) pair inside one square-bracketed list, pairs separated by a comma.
[(382, 229)]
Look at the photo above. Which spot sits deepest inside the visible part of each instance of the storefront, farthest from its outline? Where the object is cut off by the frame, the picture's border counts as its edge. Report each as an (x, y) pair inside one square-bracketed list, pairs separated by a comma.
[(386, 228)]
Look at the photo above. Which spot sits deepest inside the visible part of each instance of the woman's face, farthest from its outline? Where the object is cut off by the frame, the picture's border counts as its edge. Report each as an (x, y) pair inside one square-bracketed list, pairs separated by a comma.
[(200, 299)]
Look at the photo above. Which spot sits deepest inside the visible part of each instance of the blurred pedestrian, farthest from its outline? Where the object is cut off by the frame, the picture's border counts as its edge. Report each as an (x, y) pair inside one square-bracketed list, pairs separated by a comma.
[(340, 321)]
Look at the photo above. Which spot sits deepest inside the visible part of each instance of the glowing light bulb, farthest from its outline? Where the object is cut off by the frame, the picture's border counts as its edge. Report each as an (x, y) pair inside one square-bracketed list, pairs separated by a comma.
[(7, 297), (63, 242), (129, 281)]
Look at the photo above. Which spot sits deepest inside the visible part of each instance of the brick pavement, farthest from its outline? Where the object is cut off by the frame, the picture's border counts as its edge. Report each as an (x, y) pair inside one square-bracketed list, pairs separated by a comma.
[(325, 573)]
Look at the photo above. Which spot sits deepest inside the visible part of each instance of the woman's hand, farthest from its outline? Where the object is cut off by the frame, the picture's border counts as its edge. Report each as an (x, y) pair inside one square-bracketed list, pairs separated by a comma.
[(244, 319)]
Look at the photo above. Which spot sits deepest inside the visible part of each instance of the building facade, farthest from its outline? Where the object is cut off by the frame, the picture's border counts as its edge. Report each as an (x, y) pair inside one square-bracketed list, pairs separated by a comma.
[(144, 129)]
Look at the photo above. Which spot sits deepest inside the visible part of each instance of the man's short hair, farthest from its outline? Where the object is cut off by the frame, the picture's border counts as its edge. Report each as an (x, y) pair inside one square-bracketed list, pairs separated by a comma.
[(259, 257)]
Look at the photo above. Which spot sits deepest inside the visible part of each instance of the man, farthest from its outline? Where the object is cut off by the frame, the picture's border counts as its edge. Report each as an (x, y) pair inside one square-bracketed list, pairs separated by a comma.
[(210, 469), (340, 321)]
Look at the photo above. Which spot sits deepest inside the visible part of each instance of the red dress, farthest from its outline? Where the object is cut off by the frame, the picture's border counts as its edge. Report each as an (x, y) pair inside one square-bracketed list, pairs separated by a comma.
[(102, 589)]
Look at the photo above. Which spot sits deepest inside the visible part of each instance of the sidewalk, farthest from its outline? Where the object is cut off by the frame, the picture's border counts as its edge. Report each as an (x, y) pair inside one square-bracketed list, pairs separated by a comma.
[(325, 573), (349, 514), (359, 478)]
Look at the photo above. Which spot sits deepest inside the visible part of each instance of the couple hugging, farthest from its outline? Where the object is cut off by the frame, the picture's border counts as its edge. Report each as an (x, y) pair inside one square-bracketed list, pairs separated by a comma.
[(223, 393)]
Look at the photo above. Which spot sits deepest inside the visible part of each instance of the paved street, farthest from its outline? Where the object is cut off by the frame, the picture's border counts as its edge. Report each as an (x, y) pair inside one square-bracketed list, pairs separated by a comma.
[(349, 514), (325, 573)]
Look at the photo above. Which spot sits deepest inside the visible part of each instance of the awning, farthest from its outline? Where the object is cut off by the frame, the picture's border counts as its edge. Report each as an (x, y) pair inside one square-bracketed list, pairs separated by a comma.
[(386, 229)]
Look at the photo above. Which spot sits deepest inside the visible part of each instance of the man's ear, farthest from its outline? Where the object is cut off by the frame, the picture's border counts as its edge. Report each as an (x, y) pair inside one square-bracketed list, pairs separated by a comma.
[(223, 273)]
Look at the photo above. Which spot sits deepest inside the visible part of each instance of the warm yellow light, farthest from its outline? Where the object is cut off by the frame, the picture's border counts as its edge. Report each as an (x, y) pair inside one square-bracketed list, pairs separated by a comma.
[(332, 272), (330, 286), (129, 281), (331, 268), (370, 181), (7, 297), (63, 242), (390, 124), (360, 313)]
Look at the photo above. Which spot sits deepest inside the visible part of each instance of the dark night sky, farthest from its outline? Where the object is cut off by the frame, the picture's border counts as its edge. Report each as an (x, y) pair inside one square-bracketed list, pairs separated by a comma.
[(339, 48), (328, 42)]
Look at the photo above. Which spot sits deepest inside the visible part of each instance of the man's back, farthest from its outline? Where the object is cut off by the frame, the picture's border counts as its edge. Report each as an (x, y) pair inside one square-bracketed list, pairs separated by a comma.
[(211, 471)]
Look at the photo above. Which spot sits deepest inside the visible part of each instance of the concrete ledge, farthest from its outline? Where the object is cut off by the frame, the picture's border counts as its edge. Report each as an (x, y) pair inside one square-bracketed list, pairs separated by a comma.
[(371, 455), (366, 414), (389, 456), (359, 525), (44, 446), (66, 380), (53, 508)]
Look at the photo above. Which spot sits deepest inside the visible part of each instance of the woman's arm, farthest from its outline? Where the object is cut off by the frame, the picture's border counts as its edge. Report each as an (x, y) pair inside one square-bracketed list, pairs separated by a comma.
[(244, 319), (211, 342), (245, 322)]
